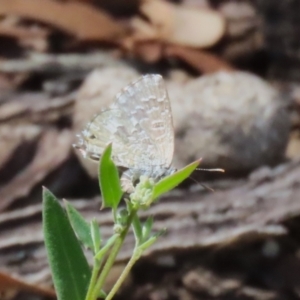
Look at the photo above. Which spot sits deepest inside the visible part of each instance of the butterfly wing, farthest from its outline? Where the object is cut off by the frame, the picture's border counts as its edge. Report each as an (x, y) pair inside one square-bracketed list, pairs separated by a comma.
[(111, 126), (146, 104), (138, 124)]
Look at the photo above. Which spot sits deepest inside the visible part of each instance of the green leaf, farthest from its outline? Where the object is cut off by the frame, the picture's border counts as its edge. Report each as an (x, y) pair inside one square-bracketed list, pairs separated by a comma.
[(109, 180), (107, 246), (96, 237), (137, 229), (151, 240), (70, 270), (147, 227), (79, 225), (170, 182)]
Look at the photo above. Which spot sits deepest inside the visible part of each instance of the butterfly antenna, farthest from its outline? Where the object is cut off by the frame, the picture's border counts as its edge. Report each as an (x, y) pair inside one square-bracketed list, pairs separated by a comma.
[(207, 187), (202, 184), (207, 170), (211, 170)]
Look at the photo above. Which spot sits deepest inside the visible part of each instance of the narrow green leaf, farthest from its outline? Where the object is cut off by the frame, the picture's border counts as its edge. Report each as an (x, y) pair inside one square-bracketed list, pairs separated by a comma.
[(137, 229), (70, 270), (147, 228), (80, 226), (107, 246), (151, 240), (109, 180), (96, 238), (170, 182)]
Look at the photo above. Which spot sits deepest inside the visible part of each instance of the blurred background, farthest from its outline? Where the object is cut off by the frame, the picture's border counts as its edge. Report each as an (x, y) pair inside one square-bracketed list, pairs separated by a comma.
[(232, 72)]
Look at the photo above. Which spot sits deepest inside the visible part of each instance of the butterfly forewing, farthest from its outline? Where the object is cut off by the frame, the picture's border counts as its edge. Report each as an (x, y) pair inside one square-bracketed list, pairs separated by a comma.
[(147, 104)]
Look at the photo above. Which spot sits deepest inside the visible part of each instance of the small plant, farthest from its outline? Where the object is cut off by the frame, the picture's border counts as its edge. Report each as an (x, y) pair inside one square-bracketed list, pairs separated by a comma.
[(66, 231)]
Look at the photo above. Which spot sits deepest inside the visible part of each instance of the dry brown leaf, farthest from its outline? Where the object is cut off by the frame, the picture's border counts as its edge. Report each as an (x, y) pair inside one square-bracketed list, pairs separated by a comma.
[(53, 149), (184, 25), (34, 38), (75, 18), (12, 81), (23, 32), (10, 285), (143, 30), (148, 51), (84, 1), (293, 148), (202, 61), (12, 137), (241, 17)]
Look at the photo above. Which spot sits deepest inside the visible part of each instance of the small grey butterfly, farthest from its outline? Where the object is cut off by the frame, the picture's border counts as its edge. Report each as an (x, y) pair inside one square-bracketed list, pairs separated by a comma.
[(139, 125)]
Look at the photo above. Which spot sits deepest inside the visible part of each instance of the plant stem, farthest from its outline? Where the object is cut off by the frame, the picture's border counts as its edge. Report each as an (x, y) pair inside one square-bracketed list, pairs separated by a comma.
[(96, 268), (111, 258), (123, 276)]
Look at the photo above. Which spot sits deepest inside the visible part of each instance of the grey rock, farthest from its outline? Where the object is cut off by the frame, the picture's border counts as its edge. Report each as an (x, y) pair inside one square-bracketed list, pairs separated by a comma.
[(235, 121)]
